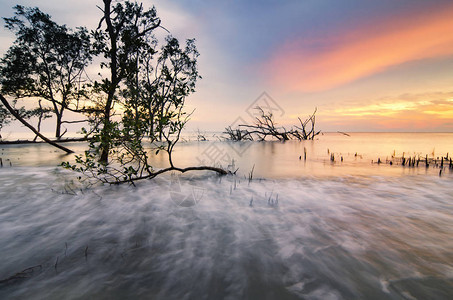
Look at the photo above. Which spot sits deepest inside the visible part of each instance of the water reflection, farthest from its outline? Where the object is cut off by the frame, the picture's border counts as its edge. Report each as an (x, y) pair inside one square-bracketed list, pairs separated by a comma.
[(277, 160)]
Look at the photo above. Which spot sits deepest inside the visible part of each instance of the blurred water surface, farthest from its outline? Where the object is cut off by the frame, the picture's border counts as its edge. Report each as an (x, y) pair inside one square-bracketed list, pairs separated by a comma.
[(300, 229)]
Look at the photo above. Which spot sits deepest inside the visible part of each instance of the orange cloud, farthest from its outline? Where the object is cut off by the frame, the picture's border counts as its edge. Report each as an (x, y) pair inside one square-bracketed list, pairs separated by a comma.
[(355, 54), (410, 112)]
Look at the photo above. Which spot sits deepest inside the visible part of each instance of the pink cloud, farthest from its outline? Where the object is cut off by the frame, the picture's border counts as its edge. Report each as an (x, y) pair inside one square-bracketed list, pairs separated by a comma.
[(351, 55)]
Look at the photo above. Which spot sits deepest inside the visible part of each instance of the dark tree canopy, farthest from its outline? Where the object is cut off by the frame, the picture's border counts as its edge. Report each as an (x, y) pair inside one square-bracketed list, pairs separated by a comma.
[(124, 30), (143, 98), (5, 117), (46, 61), (135, 111)]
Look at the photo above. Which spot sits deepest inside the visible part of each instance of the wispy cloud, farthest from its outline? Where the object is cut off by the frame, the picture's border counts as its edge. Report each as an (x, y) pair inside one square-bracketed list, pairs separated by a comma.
[(427, 111), (345, 56)]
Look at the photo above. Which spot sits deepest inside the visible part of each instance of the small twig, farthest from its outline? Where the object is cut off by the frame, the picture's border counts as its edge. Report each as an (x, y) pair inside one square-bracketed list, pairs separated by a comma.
[(56, 263), (251, 173)]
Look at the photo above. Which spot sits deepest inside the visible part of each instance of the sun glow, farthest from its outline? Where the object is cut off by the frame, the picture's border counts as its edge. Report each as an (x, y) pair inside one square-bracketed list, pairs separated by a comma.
[(390, 115)]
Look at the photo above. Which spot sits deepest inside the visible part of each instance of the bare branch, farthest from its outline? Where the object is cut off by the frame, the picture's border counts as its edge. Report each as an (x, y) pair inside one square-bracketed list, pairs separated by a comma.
[(266, 127)]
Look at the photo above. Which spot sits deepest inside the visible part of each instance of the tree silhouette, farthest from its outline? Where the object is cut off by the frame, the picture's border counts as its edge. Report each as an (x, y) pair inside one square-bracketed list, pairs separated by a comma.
[(46, 61), (135, 112), (142, 99)]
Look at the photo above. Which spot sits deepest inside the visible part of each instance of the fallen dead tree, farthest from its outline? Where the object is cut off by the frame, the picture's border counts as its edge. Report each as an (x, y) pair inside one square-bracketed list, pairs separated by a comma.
[(237, 134), (266, 128)]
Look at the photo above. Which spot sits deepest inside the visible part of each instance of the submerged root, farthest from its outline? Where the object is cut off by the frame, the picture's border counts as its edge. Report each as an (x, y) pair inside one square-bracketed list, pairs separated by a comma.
[(24, 274)]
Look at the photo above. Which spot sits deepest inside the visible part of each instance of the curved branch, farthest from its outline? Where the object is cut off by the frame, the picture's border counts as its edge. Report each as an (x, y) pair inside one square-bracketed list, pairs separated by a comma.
[(182, 170)]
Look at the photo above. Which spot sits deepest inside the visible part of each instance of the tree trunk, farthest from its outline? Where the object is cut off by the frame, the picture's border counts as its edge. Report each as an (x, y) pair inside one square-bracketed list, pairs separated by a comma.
[(18, 117), (105, 133), (58, 128), (39, 120), (105, 139)]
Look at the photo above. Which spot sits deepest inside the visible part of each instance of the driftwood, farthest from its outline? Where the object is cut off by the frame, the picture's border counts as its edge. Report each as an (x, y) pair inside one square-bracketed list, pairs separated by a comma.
[(18, 117), (265, 127)]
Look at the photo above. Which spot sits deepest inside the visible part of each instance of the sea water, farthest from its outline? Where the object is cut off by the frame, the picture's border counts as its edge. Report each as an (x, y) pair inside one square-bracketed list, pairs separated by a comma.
[(283, 227)]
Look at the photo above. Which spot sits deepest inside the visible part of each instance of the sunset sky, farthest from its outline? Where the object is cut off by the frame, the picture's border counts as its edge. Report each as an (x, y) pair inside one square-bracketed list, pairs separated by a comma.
[(366, 65)]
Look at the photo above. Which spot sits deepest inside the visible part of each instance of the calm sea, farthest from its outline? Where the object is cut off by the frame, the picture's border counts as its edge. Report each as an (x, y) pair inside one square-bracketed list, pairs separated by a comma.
[(319, 220)]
